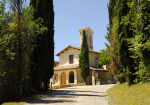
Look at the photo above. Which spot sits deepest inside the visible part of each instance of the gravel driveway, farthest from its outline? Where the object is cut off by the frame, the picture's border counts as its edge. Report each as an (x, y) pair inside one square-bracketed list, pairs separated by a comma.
[(77, 95)]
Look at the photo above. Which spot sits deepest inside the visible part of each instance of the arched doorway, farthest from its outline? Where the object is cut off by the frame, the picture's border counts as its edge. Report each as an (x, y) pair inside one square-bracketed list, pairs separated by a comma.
[(71, 77), (63, 78)]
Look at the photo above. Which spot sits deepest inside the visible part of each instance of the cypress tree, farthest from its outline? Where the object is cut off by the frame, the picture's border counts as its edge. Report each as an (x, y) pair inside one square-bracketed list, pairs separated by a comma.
[(131, 38), (43, 55), (111, 37), (84, 59), (124, 32)]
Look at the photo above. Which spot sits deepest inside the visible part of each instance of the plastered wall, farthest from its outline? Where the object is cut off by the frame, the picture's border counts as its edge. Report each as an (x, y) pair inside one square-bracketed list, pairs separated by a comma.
[(64, 57), (92, 59)]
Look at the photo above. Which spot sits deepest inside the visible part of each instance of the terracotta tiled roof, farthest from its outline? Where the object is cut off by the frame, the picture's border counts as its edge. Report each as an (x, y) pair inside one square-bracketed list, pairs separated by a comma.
[(98, 69), (78, 48), (56, 62), (74, 66), (86, 29), (65, 67)]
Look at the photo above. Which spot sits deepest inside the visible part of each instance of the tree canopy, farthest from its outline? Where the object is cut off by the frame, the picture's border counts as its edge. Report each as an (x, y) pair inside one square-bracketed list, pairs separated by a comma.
[(128, 37), (43, 55), (19, 39)]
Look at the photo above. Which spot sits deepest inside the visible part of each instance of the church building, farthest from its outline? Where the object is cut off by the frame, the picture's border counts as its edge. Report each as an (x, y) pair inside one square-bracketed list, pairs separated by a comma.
[(67, 72)]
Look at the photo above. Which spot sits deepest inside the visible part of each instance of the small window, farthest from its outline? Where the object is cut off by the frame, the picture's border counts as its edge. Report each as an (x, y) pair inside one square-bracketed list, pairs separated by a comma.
[(70, 59)]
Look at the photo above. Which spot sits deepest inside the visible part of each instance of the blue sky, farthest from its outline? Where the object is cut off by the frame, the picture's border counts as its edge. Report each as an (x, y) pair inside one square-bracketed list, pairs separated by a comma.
[(73, 15)]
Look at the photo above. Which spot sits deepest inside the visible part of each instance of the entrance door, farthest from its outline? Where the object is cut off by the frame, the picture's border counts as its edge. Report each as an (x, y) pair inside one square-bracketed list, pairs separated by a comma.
[(63, 78), (71, 77)]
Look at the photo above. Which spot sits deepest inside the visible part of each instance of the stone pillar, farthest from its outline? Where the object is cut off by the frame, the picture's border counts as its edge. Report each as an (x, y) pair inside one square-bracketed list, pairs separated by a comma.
[(93, 77), (67, 77), (75, 77), (59, 78)]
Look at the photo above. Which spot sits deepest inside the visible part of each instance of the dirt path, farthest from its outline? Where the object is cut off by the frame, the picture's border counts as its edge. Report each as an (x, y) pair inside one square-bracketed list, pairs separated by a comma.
[(78, 95)]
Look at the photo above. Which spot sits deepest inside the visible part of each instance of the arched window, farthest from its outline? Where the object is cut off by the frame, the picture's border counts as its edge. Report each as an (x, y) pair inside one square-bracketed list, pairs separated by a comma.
[(87, 38), (90, 40), (71, 77)]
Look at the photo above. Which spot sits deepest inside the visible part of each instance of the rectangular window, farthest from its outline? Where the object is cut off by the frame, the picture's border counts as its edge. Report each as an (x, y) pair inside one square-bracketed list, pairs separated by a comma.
[(70, 59)]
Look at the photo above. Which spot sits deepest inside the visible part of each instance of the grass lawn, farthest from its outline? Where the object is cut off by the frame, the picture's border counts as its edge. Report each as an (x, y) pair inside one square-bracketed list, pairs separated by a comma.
[(29, 99), (121, 94)]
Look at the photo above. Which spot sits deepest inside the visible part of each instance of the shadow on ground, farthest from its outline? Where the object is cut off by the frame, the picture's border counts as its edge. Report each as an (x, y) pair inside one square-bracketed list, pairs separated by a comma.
[(61, 96)]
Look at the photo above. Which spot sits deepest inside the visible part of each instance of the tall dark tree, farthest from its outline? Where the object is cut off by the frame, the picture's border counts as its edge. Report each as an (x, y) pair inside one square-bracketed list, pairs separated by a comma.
[(84, 59), (124, 32), (117, 35), (43, 55), (140, 14), (111, 37), (16, 36)]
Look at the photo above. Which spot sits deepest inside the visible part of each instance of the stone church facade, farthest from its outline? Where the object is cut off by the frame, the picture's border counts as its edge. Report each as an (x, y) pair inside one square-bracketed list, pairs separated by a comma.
[(67, 72)]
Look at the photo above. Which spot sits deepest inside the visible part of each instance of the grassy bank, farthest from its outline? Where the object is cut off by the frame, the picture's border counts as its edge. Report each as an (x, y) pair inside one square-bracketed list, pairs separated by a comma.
[(121, 94)]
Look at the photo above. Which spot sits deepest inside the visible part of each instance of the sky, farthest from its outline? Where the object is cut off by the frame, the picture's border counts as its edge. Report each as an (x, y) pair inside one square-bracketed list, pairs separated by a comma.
[(73, 15)]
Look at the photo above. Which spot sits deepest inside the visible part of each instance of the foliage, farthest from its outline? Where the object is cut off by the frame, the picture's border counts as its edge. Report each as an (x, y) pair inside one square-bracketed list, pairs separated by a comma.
[(17, 35), (128, 36), (84, 59), (43, 55), (140, 42), (124, 32), (105, 57), (112, 39)]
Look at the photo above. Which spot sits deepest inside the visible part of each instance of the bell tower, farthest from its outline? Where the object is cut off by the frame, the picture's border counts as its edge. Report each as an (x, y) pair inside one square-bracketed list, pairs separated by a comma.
[(89, 37)]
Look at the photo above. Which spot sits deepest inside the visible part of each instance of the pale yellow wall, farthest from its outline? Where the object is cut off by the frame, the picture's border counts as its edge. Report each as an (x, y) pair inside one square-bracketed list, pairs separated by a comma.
[(66, 73), (64, 57), (104, 76), (80, 80), (92, 61), (89, 79)]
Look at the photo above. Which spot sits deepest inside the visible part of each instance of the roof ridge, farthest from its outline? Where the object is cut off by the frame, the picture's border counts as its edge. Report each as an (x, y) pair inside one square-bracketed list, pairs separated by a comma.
[(75, 47)]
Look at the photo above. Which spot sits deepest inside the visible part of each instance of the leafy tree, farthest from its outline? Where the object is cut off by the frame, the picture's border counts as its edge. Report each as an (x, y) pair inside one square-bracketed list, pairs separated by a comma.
[(105, 57), (123, 32), (43, 55), (128, 35), (139, 14), (111, 37), (9, 52), (84, 59)]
